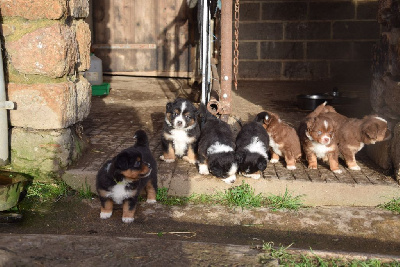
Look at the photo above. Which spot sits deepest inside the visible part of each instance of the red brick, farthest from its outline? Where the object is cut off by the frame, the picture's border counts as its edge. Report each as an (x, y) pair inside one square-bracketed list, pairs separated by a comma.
[(50, 51), (49, 9)]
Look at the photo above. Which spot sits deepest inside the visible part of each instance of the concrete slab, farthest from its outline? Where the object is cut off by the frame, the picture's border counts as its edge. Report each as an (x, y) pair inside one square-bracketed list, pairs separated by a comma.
[(136, 103)]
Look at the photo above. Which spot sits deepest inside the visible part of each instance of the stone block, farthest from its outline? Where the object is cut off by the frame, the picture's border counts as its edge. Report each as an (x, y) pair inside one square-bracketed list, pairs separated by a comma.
[(395, 151), (49, 51), (261, 31), (380, 154), (247, 50), (78, 8), (83, 38), (308, 31), (281, 50), (367, 9), (300, 70), (284, 11), (248, 12), (385, 97), (260, 70), (350, 71), (352, 30), (44, 151), (49, 106), (331, 10), (329, 50), (362, 50), (33, 10)]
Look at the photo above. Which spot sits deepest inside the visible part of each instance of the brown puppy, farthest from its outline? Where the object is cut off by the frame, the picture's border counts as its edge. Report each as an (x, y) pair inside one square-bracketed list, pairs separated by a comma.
[(354, 133), (283, 139), (317, 138)]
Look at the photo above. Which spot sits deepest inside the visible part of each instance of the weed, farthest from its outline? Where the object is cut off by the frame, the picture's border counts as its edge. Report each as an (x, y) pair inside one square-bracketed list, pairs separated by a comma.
[(392, 205), (243, 196), (162, 197), (85, 192), (285, 258), (42, 192), (284, 202)]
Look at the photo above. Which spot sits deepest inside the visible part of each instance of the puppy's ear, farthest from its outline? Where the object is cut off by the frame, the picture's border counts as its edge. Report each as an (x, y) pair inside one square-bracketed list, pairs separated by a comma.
[(370, 131), (122, 161), (168, 107), (310, 123), (261, 163), (240, 156)]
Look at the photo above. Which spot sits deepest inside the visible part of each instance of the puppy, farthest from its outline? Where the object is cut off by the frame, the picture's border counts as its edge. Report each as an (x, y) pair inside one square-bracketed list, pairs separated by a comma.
[(283, 139), (354, 133), (317, 138), (122, 179), (252, 150), (216, 153), (181, 131)]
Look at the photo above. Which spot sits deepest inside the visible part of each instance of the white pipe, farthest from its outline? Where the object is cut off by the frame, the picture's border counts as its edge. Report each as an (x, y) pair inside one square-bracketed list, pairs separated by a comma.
[(204, 52), (4, 105)]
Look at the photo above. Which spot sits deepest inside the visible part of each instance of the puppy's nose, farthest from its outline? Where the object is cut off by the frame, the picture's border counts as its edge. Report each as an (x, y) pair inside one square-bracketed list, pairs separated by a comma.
[(179, 123), (327, 139)]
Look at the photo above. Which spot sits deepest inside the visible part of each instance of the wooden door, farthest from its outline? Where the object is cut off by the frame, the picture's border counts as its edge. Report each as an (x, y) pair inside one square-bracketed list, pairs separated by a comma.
[(142, 37)]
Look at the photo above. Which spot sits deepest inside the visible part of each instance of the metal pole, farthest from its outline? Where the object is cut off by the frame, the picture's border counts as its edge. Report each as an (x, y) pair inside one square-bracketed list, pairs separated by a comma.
[(226, 58)]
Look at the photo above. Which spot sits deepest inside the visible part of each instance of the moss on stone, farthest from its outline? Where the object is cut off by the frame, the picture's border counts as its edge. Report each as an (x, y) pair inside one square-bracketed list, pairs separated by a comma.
[(15, 77), (24, 26)]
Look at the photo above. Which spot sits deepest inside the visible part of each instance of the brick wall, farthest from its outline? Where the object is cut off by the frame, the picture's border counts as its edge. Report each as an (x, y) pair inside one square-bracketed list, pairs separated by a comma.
[(307, 40)]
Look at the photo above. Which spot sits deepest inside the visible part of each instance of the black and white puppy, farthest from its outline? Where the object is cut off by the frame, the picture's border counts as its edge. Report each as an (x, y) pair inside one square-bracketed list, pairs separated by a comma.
[(122, 179), (181, 131), (252, 144), (216, 148)]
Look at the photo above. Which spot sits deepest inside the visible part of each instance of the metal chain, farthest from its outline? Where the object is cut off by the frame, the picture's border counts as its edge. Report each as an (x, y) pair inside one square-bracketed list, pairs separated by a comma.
[(236, 51)]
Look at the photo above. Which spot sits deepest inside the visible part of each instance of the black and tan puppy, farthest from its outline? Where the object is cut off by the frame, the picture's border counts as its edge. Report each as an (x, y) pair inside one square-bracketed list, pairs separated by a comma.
[(216, 148), (252, 150), (122, 179), (181, 131)]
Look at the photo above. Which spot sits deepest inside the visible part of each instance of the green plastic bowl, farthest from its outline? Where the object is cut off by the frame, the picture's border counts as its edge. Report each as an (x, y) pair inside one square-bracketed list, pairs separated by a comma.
[(12, 185)]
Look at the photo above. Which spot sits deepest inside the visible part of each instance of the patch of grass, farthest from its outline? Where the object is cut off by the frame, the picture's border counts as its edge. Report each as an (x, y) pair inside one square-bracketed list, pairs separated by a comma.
[(393, 205), (243, 196), (286, 201), (85, 192), (239, 196), (283, 257), (43, 192)]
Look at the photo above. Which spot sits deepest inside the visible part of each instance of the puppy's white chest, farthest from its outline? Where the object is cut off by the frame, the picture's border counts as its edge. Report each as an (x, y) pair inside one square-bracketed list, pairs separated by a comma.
[(275, 147), (320, 150), (119, 192), (181, 140)]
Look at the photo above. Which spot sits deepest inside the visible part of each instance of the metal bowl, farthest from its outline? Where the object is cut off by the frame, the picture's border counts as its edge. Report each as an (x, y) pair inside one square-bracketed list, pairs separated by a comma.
[(310, 102)]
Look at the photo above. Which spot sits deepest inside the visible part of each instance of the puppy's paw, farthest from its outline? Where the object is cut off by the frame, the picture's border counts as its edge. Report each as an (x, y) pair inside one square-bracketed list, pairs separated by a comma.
[(274, 160), (127, 219), (253, 175), (355, 168), (105, 215), (203, 169), (338, 171), (312, 167), (191, 161), (230, 180), (290, 167), (166, 160), (151, 201)]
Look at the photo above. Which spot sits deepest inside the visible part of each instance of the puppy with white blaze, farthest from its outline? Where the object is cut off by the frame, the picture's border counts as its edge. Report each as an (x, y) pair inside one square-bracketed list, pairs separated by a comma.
[(252, 150), (181, 131), (216, 153)]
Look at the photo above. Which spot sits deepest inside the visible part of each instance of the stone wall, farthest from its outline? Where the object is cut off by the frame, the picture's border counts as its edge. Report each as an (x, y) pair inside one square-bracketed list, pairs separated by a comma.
[(46, 46), (307, 39), (385, 89)]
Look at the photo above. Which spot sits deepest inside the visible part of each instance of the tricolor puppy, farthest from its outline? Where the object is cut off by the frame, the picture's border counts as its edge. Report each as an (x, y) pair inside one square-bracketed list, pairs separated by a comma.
[(122, 179), (283, 139), (317, 138), (354, 133), (252, 150), (181, 131), (216, 148)]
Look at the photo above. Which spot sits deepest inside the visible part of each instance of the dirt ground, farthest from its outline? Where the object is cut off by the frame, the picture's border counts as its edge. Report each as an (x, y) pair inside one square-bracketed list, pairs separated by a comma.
[(69, 231)]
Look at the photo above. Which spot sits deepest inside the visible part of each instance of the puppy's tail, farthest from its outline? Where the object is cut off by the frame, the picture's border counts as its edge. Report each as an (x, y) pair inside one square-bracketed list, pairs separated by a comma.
[(141, 138)]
